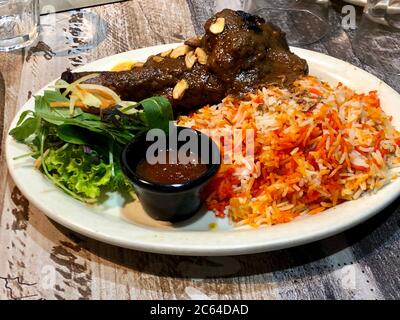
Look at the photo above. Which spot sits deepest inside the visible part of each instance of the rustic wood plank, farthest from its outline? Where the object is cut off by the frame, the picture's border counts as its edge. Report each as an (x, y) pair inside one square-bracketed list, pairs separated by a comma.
[(10, 75)]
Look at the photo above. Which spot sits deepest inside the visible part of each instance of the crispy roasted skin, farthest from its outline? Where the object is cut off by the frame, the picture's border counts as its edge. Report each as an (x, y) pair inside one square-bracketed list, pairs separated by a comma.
[(249, 53)]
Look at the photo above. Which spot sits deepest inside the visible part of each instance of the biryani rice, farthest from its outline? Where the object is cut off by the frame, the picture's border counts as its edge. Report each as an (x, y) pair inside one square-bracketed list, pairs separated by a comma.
[(315, 146)]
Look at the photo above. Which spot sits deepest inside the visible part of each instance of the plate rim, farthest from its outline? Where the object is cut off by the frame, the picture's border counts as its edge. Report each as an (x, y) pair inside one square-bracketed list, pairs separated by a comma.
[(173, 248)]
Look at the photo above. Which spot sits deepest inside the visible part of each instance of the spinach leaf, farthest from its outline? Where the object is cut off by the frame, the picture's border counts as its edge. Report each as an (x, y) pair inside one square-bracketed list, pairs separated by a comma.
[(24, 115), (158, 112), (54, 96), (42, 106), (77, 135), (25, 127), (88, 116)]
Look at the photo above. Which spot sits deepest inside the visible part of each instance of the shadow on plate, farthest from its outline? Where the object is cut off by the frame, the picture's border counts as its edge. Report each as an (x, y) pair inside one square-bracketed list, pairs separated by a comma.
[(307, 260)]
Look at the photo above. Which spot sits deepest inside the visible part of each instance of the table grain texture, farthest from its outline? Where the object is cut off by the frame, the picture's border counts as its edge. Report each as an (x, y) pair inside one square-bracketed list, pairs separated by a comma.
[(40, 259)]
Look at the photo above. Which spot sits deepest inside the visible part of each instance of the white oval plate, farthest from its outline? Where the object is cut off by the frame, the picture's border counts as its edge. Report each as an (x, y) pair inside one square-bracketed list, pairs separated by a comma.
[(127, 225)]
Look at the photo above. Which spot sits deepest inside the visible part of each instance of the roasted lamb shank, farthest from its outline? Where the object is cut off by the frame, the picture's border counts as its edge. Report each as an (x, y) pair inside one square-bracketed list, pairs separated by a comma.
[(237, 53)]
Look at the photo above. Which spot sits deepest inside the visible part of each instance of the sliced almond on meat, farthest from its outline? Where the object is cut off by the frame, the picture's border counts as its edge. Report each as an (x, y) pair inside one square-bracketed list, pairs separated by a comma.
[(201, 55), (194, 41), (179, 51), (218, 26), (180, 89), (166, 53), (138, 65), (190, 59), (158, 59)]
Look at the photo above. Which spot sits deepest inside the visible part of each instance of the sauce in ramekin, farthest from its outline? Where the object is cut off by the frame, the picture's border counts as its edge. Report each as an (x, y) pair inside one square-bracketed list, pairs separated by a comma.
[(171, 171)]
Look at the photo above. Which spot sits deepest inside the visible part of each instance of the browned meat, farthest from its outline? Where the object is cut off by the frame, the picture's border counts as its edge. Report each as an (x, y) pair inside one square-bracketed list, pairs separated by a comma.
[(239, 52)]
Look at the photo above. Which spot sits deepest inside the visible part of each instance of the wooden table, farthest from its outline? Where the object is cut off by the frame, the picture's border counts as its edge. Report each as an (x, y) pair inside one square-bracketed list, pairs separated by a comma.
[(42, 260)]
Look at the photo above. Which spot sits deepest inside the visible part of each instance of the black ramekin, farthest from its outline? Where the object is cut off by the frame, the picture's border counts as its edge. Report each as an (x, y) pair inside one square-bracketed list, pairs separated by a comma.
[(168, 202)]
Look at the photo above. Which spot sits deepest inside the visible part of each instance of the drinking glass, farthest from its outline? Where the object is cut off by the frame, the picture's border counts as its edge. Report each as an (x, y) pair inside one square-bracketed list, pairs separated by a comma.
[(303, 21), (19, 22), (377, 40)]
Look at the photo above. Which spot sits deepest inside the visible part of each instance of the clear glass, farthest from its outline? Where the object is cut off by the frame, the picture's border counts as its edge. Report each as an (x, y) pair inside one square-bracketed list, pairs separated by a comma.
[(377, 40), (19, 23), (71, 33), (304, 21)]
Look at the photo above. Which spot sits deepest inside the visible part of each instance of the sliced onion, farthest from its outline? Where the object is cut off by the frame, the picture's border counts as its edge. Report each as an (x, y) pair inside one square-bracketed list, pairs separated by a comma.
[(87, 98), (72, 101), (128, 107), (61, 84), (77, 93), (91, 100), (80, 80), (104, 89)]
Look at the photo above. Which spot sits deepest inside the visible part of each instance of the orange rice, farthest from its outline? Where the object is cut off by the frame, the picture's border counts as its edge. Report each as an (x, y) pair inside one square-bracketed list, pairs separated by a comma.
[(314, 147)]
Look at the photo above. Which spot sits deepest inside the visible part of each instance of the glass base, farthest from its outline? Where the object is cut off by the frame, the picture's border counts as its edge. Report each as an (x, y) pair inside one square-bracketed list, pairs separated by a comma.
[(20, 42)]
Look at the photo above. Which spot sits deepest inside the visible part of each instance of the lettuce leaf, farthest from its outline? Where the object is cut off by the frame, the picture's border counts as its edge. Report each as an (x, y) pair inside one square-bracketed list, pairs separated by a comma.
[(82, 173)]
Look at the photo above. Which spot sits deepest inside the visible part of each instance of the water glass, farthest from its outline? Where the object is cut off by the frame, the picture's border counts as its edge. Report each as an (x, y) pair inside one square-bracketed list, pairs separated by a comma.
[(377, 40), (19, 23), (304, 21)]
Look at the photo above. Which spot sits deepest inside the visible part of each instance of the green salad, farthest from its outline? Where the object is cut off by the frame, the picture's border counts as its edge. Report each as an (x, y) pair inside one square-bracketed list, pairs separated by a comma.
[(78, 149)]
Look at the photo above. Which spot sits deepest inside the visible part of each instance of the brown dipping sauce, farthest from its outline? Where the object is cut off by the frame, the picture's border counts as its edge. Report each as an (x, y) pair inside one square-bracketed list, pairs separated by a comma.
[(171, 173)]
